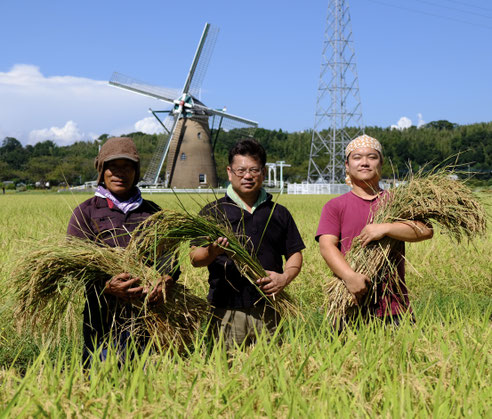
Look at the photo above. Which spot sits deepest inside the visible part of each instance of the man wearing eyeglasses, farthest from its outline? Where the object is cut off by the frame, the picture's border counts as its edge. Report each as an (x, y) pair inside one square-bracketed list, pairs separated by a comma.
[(240, 311)]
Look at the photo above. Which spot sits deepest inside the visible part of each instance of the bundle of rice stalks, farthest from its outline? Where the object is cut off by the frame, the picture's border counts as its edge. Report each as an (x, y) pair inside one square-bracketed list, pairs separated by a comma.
[(150, 242), (423, 197), (163, 232), (52, 280)]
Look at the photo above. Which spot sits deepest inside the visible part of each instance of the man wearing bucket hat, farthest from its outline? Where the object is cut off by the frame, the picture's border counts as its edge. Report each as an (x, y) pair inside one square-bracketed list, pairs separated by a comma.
[(109, 217), (349, 215)]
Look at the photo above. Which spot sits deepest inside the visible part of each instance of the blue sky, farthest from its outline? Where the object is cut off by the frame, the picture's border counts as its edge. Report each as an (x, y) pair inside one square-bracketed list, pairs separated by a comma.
[(431, 58)]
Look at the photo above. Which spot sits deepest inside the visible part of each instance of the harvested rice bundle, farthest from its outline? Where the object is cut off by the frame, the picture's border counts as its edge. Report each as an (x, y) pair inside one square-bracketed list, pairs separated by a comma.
[(149, 241), (52, 279), (162, 233), (424, 197)]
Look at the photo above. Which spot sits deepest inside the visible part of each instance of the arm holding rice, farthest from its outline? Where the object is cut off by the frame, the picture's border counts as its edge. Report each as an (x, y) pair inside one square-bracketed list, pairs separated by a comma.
[(409, 231), (358, 283), (355, 282), (267, 232), (108, 219), (272, 284), (347, 219), (275, 282), (90, 221), (204, 256)]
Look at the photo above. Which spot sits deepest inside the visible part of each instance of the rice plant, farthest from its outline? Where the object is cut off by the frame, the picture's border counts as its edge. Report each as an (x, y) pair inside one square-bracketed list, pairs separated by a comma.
[(428, 197), (440, 366), (51, 280)]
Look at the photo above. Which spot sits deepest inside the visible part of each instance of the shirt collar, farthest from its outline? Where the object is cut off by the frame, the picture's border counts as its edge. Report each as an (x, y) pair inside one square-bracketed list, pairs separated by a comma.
[(262, 197)]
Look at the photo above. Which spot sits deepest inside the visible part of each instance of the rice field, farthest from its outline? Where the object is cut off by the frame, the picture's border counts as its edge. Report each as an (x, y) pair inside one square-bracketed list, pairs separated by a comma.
[(439, 367)]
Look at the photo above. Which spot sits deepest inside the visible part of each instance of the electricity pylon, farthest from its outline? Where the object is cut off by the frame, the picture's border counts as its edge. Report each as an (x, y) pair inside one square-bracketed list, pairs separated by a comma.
[(338, 104)]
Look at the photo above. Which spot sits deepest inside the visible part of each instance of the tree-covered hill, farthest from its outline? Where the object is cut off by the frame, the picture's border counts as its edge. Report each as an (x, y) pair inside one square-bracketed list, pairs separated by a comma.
[(435, 142)]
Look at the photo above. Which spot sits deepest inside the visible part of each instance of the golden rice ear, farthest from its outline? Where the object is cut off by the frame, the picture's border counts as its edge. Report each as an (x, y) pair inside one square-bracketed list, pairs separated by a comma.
[(348, 181)]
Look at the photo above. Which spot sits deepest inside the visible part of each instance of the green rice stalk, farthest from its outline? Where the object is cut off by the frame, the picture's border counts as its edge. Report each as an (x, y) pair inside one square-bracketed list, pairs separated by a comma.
[(165, 230), (431, 197), (51, 281)]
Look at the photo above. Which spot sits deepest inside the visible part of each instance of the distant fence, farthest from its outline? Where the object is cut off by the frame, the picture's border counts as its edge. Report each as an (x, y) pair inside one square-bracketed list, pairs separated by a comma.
[(317, 188), (292, 188), (218, 191)]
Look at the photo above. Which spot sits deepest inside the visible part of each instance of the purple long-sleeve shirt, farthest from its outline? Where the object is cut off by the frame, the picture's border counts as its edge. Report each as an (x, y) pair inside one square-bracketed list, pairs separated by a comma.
[(99, 220)]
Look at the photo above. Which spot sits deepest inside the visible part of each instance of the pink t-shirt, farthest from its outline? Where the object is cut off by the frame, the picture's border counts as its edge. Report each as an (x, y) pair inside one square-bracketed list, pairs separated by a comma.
[(344, 217)]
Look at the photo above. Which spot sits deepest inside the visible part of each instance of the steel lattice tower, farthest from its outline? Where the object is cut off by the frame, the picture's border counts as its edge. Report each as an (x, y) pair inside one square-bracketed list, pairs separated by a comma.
[(338, 104)]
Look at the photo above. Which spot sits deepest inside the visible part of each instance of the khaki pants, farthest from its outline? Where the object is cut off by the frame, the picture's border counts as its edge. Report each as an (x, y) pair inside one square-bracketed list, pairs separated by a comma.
[(238, 326)]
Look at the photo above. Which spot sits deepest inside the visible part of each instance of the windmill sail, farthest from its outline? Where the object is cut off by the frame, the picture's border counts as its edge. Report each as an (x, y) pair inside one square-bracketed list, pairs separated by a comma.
[(160, 153), (134, 85), (201, 60), (221, 125), (188, 149)]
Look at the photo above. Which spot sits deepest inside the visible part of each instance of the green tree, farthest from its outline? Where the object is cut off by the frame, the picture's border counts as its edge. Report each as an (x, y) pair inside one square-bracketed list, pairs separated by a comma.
[(13, 153), (441, 125)]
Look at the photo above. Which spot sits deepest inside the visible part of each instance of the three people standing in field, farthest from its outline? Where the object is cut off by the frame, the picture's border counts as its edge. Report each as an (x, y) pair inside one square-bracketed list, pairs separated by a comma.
[(240, 310)]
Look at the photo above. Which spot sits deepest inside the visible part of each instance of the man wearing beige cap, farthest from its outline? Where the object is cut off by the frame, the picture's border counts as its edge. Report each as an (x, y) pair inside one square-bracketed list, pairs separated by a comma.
[(349, 215), (108, 218)]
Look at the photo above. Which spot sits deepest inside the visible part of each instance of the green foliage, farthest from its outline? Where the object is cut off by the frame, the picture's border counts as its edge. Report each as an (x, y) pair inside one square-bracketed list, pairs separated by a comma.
[(441, 124), (435, 142), (470, 145), (438, 367)]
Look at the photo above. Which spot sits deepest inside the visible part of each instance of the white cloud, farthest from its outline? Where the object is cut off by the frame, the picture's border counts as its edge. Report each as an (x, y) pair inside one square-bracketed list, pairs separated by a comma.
[(403, 123), (67, 134), (34, 106), (148, 125), (420, 121)]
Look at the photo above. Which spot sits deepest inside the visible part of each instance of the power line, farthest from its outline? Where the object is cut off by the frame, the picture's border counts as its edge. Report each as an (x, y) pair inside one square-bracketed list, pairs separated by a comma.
[(432, 14), (470, 5), (454, 8)]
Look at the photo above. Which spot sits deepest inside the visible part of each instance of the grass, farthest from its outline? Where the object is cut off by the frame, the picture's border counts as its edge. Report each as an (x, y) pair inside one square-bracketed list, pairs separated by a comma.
[(439, 367)]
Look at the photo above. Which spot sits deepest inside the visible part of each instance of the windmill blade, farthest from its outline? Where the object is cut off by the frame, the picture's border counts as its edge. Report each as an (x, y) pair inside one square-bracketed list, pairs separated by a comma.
[(160, 153), (238, 119), (224, 128), (128, 83), (201, 60)]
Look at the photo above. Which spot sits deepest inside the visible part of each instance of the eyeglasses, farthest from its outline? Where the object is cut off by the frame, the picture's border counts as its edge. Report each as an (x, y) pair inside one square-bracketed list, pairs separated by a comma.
[(241, 172)]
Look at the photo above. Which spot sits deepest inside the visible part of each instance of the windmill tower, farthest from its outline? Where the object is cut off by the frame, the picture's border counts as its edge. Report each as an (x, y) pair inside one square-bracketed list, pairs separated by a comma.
[(338, 104), (189, 126)]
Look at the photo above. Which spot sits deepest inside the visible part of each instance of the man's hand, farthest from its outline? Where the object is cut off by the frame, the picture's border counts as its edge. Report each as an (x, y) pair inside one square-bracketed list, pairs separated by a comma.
[(125, 287), (217, 247), (160, 292), (357, 284), (273, 283), (372, 232), (408, 231), (204, 256)]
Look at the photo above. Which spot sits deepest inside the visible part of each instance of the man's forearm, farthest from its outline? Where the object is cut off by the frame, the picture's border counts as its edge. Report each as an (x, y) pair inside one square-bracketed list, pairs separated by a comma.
[(409, 231), (201, 256), (293, 266), (335, 260)]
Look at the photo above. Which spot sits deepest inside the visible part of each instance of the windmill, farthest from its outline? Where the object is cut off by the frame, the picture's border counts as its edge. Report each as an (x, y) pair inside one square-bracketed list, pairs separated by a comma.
[(191, 128)]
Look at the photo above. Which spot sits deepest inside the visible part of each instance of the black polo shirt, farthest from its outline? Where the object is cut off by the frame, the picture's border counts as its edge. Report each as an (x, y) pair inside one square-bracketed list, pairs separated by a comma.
[(228, 289)]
